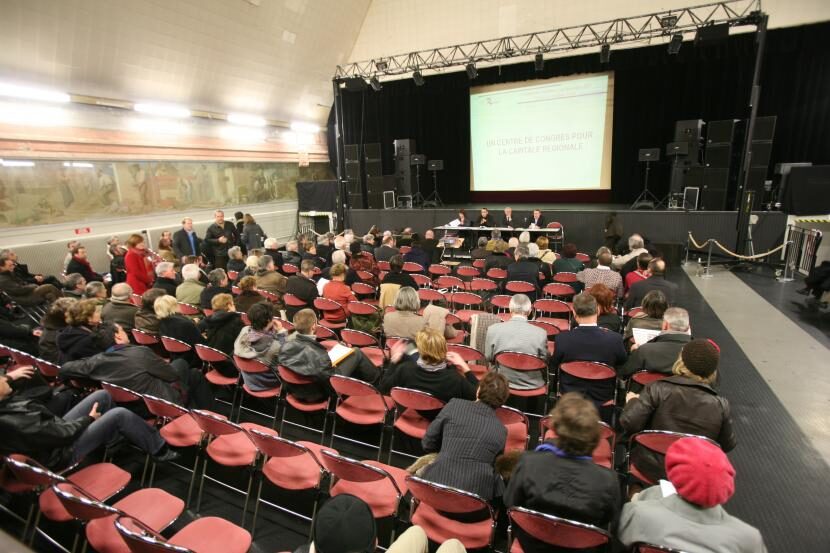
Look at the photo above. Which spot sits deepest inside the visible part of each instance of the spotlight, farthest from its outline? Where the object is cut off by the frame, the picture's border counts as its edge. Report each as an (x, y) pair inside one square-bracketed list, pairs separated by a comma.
[(472, 73), (605, 53), (382, 65), (668, 21), (539, 62), (376, 86), (675, 43), (418, 78)]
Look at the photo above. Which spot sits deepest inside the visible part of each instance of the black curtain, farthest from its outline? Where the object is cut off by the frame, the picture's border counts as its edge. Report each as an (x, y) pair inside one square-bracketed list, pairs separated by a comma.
[(652, 91)]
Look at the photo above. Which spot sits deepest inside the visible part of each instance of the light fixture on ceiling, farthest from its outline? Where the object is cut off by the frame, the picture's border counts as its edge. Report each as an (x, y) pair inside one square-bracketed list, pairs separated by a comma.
[(382, 65), (418, 78), (37, 115), (539, 62), (472, 72), (375, 83), (33, 93), (16, 163), (605, 53), (78, 164), (162, 110), (675, 43), (668, 22), (299, 126), (247, 120)]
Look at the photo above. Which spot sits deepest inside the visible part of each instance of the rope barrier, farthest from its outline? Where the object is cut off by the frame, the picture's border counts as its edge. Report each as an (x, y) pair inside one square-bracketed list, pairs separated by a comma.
[(730, 252)]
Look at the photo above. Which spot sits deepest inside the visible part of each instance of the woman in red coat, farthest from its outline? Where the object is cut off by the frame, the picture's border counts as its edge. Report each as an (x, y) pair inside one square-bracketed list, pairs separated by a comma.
[(139, 269)]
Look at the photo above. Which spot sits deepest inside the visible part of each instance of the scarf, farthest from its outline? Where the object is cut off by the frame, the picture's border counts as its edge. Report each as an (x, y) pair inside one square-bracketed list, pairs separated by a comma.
[(431, 368), (551, 448)]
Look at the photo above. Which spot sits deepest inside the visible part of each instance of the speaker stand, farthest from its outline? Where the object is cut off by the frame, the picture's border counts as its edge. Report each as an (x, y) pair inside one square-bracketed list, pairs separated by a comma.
[(418, 198), (434, 199), (646, 200)]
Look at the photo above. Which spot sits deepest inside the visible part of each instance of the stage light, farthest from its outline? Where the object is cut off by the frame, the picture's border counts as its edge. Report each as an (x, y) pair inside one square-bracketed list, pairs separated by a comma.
[(247, 120), (418, 78), (31, 93), (376, 86), (675, 43), (539, 62), (162, 110), (16, 163), (472, 73), (668, 22), (605, 53), (382, 65)]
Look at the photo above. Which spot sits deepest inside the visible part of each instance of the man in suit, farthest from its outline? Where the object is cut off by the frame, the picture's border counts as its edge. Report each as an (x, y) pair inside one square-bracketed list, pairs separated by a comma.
[(221, 236), (537, 221), (524, 270), (518, 335), (660, 353), (430, 245), (185, 241), (655, 281), (387, 249), (303, 286), (508, 220), (588, 342)]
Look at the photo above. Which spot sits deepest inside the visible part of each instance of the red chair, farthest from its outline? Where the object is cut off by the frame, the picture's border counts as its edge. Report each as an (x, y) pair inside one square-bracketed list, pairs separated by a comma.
[(294, 379), (293, 466), (156, 509), (135, 299), (520, 287), (233, 275), (497, 274), (470, 304), (210, 357), (383, 266), (431, 296), (359, 403), (365, 276), (120, 394), (591, 371), (291, 300), (483, 285), (646, 377), (144, 339), (501, 305), (554, 531), (633, 312), (554, 312), (173, 345), (465, 271), (363, 290), (290, 269), (474, 358), (479, 263), (363, 308), (189, 310), (518, 361), (337, 314), (256, 366), (437, 270), (451, 283), (518, 428), (557, 234), (430, 500), (422, 281), (228, 446), (603, 454), (412, 267), (203, 534), (323, 333), (270, 296), (656, 441), (380, 486), (408, 420), (403, 250), (47, 370), (651, 548), (565, 277), (558, 290), (236, 290), (583, 257), (550, 329), (358, 338)]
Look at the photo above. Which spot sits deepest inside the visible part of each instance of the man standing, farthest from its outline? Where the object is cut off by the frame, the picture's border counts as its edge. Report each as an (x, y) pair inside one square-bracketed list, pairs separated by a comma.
[(185, 241), (221, 235)]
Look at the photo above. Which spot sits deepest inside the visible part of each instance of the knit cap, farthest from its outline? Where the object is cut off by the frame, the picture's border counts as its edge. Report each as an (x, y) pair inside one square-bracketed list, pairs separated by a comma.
[(345, 524), (701, 357)]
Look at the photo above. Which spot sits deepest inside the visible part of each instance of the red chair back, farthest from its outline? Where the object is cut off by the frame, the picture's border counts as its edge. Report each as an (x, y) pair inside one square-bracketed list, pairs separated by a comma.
[(439, 270), (422, 281), (323, 333), (552, 308), (272, 445), (143, 339), (135, 299), (556, 531), (214, 424), (469, 354), (347, 386), (210, 355), (251, 365), (519, 287), (142, 539), (483, 285), (352, 470), (363, 289), (120, 394), (175, 346), (270, 296), (660, 440), (358, 338), (164, 409), (427, 294), (634, 311), (558, 290), (501, 301), (497, 274), (479, 263), (518, 427), (518, 361), (79, 504), (465, 299), (30, 472), (445, 498), (449, 282), (383, 266), (550, 329), (48, 370), (290, 377), (290, 269), (646, 377), (403, 250), (330, 306), (232, 275), (583, 257), (362, 308), (467, 271), (554, 225), (365, 275), (236, 290), (293, 301), (188, 310), (416, 399), (565, 277), (588, 370), (412, 267)]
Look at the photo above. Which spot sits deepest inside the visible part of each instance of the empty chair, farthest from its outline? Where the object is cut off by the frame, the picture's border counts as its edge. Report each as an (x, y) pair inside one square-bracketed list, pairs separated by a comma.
[(359, 403), (520, 287), (558, 290), (203, 534), (451, 283), (518, 428), (408, 420), (358, 338), (552, 531), (465, 305), (412, 267), (291, 378), (439, 270)]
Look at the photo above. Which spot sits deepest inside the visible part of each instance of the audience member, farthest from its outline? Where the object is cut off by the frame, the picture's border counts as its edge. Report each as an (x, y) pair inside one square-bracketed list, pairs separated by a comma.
[(495, 236), (302, 286), (396, 274), (236, 260), (219, 284), (53, 322), (655, 281), (613, 230), (508, 220), (164, 249), (337, 291), (74, 286), (602, 274), (71, 245), (368, 243), (17, 334), (524, 270), (291, 254), (480, 251), (252, 266), (636, 246), (21, 292), (261, 340), (190, 290), (138, 267), (83, 336), (145, 317), (21, 270), (468, 436), (608, 317), (96, 291), (363, 261), (651, 316), (560, 478), (173, 324), (588, 342), (166, 278), (404, 321), (344, 524), (120, 310), (497, 259), (703, 480), (546, 255), (220, 236), (518, 335), (248, 294), (684, 402), (221, 329), (640, 273), (252, 236), (387, 249), (568, 263), (417, 254), (310, 253), (659, 354), (185, 241), (272, 248), (524, 238)]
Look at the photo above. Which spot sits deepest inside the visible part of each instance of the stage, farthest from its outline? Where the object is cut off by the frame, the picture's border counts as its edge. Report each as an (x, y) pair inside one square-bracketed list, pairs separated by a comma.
[(584, 224)]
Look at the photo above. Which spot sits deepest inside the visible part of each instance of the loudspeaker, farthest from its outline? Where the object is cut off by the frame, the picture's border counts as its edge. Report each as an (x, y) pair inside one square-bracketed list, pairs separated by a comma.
[(355, 84), (720, 132), (715, 189), (372, 151), (718, 155), (374, 189), (761, 153), (350, 152), (764, 128), (356, 201), (374, 169), (648, 154), (404, 148), (688, 131)]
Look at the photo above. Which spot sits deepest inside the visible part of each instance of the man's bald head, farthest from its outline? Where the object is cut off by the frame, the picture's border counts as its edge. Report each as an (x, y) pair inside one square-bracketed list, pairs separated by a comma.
[(604, 259), (657, 266)]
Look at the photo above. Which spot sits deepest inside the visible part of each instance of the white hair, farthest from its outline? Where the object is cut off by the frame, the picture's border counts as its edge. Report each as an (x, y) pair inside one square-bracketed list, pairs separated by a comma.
[(677, 318), (532, 250), (524, 237), (291, 246), (520, 304), (338, 256), (191, 272), (635, 241), (271, 244), (387, 233), (163, 267), (252, 262), (513, 242)]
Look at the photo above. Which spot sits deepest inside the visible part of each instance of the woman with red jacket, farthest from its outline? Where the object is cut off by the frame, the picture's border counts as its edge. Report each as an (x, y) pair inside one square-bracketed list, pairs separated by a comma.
[(138, 267), (337, 290)]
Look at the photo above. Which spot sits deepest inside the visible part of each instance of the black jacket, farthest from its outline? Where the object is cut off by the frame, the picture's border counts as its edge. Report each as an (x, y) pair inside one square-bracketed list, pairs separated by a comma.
[(419, 256), (589, 343), (83, 269), (567, 487), (276, 255), (181, 244), (78, 342), (306, 356), (292, 258), (214, 232), (496, 261), (181, 328), (19, 290), (404, 279), (524, 271), (222, 329), (246, 300), (384, 253), (639, 290), (302, 287), (167, 284), (209, 293), (658, 355), (444, 384)]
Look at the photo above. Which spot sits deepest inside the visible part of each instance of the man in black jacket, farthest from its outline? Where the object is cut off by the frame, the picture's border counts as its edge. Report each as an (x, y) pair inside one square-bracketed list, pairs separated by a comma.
[(21, 292), (524, 270), (21, 270), (387, 249), (660, 353), (221, 236), (657, 281), (166, 278), (29, 428), (302, 286), (219, 284), (185, 241)]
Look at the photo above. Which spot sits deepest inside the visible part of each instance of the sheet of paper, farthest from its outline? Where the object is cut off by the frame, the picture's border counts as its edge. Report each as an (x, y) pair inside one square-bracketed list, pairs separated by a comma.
[(338, 353), (667, 488), (454, 223), (321, 284), (643, 335)]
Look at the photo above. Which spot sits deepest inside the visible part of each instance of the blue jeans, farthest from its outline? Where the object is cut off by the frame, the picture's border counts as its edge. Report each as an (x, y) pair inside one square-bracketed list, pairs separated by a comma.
[(114, 421)]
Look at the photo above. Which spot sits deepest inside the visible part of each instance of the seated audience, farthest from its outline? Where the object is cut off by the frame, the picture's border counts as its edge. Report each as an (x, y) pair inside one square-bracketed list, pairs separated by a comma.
[(166, 278), (608, 317), (236, 260), (655, 281), (602, 274), (15, 334), (560, 478), (268, 279), (417, 254), (96, 291), (443, 374), (640, 273), (498, 259), (190, 290), (261, 340), (173, 324), (310, 254), (165, 248), (468, 436), (221, 329), (512, 244), (252, 266), (84, 335), (53, 322), (74, 286), (495, 236), (337, 290), (80, 264), (684, 402), (21, 270), (588, 342), (363, 261), (219, 284), (396, 274), (692, 518), (568, 263), (339, 256), (248, 294), (20, 291), (291, 254), (120, 310), (30, 429), (650, 318), (145, 317), (272, 248), (480, 251), (518, 335), (636, 246), (71, 245), (546, 255), (387, 249), (368, 243), (404, 321), (524, 270), (304, 355), (325, 247), (302, 286), (660, 353)]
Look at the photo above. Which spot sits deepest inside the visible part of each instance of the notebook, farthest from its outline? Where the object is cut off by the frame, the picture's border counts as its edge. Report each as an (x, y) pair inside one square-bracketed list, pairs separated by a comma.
[(338, 353), (643, 335)]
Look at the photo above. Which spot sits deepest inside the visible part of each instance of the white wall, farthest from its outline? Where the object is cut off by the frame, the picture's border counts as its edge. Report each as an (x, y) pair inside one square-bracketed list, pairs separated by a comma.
[(400, 26)]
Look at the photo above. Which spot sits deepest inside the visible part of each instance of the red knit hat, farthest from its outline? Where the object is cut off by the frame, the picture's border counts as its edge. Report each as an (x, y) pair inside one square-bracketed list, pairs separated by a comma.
[(700, 472)]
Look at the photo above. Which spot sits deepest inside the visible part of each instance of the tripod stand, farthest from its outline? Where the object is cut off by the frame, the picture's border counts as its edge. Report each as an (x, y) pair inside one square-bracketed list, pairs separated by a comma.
[(646, 198), (434, 199), (417, 197)]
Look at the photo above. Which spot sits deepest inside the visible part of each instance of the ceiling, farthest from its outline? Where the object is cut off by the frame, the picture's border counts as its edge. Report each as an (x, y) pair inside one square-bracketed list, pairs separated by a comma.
[(269, 57)]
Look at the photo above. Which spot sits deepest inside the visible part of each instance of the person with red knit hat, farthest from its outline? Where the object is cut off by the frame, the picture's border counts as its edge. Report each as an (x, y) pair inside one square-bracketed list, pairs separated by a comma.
[(687, 513)]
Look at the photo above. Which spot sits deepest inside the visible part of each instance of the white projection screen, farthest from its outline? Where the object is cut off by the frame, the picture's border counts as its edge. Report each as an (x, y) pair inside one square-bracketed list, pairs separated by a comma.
[(542, 135)]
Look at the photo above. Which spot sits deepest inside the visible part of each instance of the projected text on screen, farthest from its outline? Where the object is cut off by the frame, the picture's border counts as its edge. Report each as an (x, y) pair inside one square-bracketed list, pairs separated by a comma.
[(554, 135)]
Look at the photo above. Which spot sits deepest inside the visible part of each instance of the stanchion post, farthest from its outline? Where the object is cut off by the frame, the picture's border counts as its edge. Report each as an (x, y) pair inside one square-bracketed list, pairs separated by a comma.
[(688, 246), (788, 263), (706, 270)]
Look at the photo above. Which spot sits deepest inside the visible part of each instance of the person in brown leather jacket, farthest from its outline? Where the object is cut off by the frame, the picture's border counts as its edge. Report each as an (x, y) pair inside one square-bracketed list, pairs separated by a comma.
[(684, 402)]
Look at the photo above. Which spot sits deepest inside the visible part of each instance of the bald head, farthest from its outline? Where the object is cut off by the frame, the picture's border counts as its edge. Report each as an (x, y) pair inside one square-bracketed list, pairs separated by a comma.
[(657, 267)]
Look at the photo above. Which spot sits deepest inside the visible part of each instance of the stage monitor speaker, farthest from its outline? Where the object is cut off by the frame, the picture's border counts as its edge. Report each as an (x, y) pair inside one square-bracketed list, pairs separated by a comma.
[(720, 132), (693, 177), (374, 169), (356, 201), (764, 128), (677, 149), (688, 131), (718, 155), (715, 189), (351, 152), (353, 170), (648, 154), (761, 153), (371, 151)]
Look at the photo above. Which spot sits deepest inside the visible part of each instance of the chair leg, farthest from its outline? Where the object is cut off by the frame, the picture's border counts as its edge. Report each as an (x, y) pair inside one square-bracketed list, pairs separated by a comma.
[(247, 496), (276, 414), (33, 531), (201, 487), (256, 506), (313, 513), (29, 516), (391, 444), (333, 429), (192, 478), (144, 471)]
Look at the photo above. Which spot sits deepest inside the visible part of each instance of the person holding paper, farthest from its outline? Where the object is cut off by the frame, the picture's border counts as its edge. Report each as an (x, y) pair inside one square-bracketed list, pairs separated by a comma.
[(536, 221), (650, 318), (304, 355), (660, 353)]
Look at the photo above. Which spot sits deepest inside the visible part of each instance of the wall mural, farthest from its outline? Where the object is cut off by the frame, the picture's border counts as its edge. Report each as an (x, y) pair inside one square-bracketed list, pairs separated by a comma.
[(51, 192)]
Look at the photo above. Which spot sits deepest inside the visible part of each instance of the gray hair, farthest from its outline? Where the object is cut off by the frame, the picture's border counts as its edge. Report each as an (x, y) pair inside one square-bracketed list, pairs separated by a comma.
[(522, 252), (520, 304), (482, 241), (407, 300), (191, 271), (252, 262), (513, 242), (532, 250), (73, 279), (585, 305), (163, 267), (122, 290), (235, 252), (93, 289), (677, 318), (264, 261), (369, 238), (524, 237), (635, 241), (216, 276), (291, 245), (339, 256), (495, 234), (602, 250), (271, 244)]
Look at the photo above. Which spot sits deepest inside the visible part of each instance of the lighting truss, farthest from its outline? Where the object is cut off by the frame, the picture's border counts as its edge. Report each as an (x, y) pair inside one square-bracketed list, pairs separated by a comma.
[(640, 28)]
